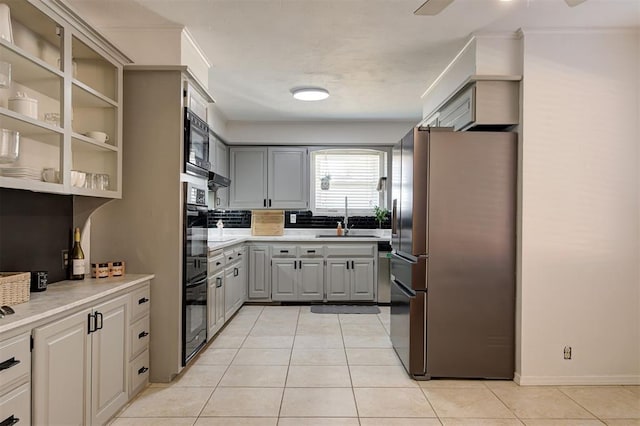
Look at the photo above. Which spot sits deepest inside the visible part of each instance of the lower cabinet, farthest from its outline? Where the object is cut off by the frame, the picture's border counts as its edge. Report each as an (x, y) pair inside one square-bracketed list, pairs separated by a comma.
[(350, 279), (80, 366), (235, 281), (259, 273), (297, 279), (15, 379)]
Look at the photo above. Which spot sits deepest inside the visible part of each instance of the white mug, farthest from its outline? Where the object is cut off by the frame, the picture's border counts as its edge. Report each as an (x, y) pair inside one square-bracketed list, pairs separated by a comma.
[(99, 136)]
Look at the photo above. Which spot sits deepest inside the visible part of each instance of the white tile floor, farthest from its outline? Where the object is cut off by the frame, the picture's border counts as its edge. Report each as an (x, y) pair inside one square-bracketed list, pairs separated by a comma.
[(283, 365)]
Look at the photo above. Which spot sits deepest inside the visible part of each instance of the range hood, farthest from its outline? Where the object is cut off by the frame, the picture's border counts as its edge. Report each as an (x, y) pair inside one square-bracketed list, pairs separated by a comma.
[(217, 181)]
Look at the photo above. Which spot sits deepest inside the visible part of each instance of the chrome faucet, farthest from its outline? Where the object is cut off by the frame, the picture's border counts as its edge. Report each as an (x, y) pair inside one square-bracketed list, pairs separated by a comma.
[(346, 216)]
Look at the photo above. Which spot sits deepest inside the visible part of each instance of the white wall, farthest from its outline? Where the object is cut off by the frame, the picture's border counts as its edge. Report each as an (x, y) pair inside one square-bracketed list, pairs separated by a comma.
[(317, 133), (579, 280)]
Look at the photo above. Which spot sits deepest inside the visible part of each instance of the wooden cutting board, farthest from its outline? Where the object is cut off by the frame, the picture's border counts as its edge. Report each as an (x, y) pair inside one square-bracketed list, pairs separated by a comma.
[(267, 222)]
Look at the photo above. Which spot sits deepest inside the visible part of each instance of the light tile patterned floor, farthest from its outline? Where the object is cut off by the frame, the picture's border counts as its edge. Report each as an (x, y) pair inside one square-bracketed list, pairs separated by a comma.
[(284, 366)]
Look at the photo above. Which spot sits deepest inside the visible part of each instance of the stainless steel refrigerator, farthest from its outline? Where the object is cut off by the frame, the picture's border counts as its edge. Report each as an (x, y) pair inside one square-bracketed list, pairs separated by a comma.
[(454, 248)]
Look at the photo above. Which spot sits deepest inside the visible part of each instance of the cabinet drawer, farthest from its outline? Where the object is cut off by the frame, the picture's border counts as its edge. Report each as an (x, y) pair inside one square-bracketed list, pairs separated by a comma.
[(311, 251), (138, 373), (15, 406), (140, 301), (139, 337), (283, 251), (215, 263), (15, 359), (356, 250)]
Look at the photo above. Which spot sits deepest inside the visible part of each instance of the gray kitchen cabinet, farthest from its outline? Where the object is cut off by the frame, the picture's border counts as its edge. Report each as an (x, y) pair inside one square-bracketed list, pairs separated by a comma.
[(268, 177), (215, 292), (235, 280), (15, 379), (284, 279), (259, 273), (86, 353), (219, 157), (297, 273), (350, 279)]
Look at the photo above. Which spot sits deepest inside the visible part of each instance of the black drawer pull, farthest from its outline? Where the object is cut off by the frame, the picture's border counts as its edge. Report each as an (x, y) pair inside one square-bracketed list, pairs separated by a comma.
[(311, 251), (12, 362), (284, 251), (143, 370), (230, 257), (143, 334), (143, 300), (11, 420), (239, 254), (218, 282), (218, 263)]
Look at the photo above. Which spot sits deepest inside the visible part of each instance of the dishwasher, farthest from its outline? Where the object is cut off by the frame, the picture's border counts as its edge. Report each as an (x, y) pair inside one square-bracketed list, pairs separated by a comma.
[(384, 274)]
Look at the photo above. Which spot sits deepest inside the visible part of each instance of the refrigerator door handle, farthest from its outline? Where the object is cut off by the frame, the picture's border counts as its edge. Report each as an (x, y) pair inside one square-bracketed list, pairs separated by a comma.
[(406, 291), (394, 217)]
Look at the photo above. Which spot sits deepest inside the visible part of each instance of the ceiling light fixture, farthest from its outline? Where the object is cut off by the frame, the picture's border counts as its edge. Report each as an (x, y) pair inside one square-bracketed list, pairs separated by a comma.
[(310, 93)]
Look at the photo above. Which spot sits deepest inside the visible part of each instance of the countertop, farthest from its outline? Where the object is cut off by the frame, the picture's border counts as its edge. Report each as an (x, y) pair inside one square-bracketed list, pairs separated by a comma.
[(65, 295), (216, 243)]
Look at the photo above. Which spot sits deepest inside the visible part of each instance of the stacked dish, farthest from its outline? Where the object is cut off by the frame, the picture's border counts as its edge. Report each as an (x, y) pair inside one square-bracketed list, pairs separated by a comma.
[(21, 172)]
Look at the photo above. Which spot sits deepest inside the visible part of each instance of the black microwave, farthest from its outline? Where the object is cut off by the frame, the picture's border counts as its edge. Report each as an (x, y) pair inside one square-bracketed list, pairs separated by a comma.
[(196, 145)]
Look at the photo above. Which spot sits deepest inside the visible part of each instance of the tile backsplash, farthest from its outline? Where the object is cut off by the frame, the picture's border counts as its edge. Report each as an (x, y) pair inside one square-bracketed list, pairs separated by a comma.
[(304, 219), (34, 229)]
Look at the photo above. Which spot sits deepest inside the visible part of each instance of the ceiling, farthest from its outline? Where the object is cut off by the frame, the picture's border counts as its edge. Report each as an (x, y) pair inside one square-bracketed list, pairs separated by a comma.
[(374, 56)]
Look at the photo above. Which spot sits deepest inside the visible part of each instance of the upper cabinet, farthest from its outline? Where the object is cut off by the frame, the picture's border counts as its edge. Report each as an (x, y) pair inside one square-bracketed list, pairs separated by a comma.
[(61, 102), (268, 178)]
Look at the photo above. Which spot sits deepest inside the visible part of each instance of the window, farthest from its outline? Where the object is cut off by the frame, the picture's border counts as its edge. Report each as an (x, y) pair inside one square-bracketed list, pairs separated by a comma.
[(340, 173)]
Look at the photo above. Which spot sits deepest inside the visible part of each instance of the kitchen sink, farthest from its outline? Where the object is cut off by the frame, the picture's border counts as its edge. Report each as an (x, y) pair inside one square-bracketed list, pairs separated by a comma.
[(346, 236)]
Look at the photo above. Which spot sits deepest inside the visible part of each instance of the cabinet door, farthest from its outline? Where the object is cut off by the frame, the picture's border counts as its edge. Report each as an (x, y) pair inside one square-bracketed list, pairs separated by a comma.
[(241, 285), (221, 166), (362, 279), (338, 279), (229, 292), (287, 178), (283, 279), (259, 274), (213, 317), (61, 371), (248, 177), (220, 312), (311, 280), (109, 360)]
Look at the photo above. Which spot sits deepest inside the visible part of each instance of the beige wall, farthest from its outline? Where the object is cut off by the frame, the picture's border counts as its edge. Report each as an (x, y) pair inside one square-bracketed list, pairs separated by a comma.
[(579, 279)]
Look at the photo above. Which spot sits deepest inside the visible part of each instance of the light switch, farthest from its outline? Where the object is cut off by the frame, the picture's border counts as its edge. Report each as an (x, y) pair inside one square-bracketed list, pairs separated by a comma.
[(293, 218)]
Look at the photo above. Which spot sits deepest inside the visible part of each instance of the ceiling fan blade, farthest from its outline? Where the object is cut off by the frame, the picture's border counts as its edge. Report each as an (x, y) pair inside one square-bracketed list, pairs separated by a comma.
[(433, 7), (573, 3)]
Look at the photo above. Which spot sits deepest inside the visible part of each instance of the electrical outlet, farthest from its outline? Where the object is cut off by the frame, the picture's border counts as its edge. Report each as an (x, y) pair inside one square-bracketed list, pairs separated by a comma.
[(65, 259), (293, 218), (567, 352)]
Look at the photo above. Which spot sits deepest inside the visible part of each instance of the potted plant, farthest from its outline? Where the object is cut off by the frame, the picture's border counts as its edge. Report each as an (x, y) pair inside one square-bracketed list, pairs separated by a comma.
[(380, 214)]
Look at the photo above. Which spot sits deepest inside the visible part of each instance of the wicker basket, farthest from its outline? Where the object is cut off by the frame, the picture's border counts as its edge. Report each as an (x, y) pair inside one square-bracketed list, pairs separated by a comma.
[(14, 287)]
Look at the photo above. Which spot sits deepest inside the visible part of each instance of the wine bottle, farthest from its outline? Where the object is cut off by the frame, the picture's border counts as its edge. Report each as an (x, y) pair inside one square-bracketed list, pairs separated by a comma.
[(77, 257)]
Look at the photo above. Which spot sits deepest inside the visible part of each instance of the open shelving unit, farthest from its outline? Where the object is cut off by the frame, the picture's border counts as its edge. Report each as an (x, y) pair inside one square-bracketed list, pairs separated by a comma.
[(57, 59)]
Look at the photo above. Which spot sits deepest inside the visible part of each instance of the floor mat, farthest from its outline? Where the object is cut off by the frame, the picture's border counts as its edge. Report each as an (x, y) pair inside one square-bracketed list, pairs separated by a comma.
[(344, 309)]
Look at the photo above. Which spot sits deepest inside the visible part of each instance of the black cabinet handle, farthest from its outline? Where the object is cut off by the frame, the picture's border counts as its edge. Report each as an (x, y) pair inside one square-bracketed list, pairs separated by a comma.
[(239, 254), (347, 264), (230, 257), (11, 420), (91, 327), (143, 300), (236, 272), (269, 202), (264, 202), (284, 251), (311, 251), (143, 334), (143, 370), (11, 362), (218, 263), (101, 318), (301, 264), (218, 282), (353, 266)]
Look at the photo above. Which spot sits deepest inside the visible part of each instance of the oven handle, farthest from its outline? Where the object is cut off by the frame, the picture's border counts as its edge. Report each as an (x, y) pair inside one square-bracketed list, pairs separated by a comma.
[(197, 283), (406, 291)]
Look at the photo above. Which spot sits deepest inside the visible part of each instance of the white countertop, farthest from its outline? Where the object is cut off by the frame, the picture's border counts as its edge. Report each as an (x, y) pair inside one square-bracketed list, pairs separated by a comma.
[(65, 295), (235, 236)]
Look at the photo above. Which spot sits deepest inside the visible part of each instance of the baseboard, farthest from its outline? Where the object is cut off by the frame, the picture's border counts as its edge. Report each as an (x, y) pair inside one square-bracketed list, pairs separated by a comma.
[(576, 380)]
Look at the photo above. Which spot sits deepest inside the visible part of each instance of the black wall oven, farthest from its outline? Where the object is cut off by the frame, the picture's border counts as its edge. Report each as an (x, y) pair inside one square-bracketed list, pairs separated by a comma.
[(196, 145), (194, 289)]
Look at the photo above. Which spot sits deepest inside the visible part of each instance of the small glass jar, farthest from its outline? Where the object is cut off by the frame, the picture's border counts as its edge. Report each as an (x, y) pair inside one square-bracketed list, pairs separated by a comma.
[(99, 270), (116, 269)]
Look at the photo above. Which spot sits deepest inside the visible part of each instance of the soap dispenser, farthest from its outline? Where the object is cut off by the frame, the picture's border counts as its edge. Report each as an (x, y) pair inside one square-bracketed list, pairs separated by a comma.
[(339, 229)]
